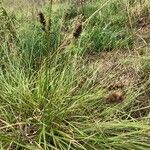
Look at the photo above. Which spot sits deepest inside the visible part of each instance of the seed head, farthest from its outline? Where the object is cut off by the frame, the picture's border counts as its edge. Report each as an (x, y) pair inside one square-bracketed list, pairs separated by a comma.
[(42, 21), (78, 30), (115, 97)]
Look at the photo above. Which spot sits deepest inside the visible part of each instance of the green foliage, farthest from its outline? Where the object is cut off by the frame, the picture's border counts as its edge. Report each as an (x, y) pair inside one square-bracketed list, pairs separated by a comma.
[(147, 66), (51, 98), (7, 22), (106, 39)]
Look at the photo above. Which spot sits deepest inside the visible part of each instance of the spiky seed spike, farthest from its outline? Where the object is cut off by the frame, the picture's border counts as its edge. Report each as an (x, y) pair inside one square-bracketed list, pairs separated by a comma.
[(78, 30), (42, 21)]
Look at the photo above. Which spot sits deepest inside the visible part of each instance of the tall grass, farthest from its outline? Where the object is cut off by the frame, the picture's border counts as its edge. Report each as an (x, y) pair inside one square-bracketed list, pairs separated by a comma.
[(52, 98)]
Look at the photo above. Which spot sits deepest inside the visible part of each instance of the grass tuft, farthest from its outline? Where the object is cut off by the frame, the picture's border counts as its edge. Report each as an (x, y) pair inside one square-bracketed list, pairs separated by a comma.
[(83, 83)]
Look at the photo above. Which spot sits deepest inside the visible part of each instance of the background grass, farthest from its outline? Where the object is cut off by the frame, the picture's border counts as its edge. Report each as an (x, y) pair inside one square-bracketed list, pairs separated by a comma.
[(53, 87)]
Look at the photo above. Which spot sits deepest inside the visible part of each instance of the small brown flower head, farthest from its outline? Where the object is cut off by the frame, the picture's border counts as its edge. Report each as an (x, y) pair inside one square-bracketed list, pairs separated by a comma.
[(42, 21), (115, 97), (78, 30), (81, 82)]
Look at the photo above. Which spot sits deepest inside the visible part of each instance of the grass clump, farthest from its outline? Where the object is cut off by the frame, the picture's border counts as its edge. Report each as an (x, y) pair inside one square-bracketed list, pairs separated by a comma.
[(52, 97), (60, 107)]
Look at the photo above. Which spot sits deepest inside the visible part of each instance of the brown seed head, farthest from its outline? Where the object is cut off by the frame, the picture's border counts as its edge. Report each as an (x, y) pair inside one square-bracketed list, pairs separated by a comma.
[(78, 30), (42, 21), (115, 97)]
